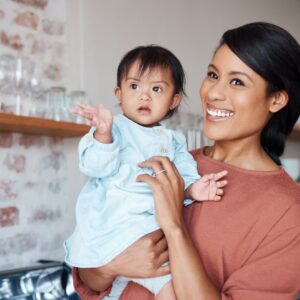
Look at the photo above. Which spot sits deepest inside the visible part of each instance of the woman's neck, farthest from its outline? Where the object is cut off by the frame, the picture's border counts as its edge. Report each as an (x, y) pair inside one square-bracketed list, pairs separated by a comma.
[(242, 154)]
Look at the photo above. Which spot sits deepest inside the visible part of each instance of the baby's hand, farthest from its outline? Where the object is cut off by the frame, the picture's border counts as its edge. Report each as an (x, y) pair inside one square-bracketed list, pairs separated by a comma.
[(98, 116), (208, 187)]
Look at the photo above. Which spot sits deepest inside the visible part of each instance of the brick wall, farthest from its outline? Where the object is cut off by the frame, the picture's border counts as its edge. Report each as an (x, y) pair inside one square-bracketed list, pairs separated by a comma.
[(36, 212), (34, 31)]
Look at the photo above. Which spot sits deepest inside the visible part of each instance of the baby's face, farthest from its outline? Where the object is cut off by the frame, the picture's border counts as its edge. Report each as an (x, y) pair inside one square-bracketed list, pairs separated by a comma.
[(147, 98)]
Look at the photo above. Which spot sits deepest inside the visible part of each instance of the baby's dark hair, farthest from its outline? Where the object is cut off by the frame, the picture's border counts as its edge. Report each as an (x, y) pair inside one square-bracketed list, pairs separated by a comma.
[(151, 57), (274, 54)]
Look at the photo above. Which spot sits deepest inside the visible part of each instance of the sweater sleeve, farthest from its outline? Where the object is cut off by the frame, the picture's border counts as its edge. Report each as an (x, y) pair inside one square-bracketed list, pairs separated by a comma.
[(97, 159), (273, 270), (184, 161)]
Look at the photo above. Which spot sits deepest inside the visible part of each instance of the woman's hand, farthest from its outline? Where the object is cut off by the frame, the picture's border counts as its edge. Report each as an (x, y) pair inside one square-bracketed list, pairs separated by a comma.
[(168, 191), (143, 259)]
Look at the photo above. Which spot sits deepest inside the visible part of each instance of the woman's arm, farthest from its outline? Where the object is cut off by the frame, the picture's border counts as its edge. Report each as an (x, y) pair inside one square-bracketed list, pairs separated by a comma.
[(190, 280), (142, 259)]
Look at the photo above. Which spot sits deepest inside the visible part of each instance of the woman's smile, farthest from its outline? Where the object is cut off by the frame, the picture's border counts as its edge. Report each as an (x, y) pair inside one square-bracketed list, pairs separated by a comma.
[(218, 114)]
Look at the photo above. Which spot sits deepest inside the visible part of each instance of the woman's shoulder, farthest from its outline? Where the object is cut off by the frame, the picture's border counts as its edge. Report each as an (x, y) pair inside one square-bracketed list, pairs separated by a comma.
[(196, 153), (277, 182)]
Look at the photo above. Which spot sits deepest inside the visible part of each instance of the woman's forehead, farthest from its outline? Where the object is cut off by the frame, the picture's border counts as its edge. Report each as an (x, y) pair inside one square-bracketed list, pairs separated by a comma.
[(226, 60)]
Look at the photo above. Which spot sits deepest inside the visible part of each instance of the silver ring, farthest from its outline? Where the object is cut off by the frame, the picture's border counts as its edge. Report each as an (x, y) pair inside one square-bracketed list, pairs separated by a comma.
[(161, 171)]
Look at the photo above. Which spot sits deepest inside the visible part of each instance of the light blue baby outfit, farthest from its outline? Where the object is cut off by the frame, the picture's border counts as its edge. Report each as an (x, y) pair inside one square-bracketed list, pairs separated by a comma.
[(113, 209)]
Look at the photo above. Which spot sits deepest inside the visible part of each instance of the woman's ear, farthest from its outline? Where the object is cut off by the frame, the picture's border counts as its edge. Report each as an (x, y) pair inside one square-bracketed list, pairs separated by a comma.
[(118, 93), (176, 101), (279, 100)]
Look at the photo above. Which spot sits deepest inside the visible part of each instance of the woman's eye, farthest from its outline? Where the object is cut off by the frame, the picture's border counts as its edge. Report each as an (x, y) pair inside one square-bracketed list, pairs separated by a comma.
[(237, 82), (212, 75), (134, 86), (157, 89)]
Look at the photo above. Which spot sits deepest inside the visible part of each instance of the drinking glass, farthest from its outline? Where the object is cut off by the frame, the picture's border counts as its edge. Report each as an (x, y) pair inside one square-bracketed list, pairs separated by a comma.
[(56, 107), (74, 97)]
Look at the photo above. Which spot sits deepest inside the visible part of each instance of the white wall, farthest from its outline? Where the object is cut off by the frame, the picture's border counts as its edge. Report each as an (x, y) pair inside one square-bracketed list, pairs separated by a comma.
[(103, 31), (191, 29)]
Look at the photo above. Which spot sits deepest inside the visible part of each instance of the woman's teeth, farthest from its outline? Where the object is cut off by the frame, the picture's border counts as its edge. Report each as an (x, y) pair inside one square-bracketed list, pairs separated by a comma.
[(219, 113)]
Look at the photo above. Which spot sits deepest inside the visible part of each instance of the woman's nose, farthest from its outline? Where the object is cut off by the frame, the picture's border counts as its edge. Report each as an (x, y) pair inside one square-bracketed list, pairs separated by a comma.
[(217, 91)]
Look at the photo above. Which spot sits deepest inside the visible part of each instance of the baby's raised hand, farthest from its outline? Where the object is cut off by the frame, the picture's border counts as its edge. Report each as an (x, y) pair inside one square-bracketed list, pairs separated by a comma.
[(208, 187), (98, 116)]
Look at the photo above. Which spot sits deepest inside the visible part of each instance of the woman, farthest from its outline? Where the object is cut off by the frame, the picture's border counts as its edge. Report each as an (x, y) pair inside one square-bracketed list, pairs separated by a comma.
[(246, 246)]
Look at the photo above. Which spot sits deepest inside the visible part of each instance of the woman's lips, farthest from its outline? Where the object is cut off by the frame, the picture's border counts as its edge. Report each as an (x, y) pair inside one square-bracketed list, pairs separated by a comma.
[(218, 114)]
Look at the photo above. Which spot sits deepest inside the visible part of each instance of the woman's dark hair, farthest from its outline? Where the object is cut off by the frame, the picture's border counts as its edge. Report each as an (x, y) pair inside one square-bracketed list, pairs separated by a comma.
[(274, 54), (149, 58)]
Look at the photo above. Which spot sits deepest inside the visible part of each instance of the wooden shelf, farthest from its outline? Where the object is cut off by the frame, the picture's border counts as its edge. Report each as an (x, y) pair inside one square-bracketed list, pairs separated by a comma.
[(295, 135), (38, 126)]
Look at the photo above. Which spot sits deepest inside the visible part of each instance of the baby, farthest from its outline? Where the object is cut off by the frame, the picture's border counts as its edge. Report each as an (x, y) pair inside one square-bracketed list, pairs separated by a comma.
[(113, 209)]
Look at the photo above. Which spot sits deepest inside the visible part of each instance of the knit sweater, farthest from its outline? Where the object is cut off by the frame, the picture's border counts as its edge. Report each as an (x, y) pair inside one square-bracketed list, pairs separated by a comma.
[(249, 242)]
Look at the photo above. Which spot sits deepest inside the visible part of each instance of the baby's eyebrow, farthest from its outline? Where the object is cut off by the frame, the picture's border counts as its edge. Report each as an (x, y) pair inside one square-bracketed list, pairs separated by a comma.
[(133, 78), (155, 82), (161, 81)]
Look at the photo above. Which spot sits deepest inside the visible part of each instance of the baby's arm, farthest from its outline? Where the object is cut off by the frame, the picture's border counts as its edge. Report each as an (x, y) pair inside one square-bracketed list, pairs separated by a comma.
[(99, 149), (208, 187), (99, 117)]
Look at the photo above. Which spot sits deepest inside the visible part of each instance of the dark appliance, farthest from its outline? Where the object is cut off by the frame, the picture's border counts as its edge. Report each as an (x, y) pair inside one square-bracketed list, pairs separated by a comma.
[(45, 281)]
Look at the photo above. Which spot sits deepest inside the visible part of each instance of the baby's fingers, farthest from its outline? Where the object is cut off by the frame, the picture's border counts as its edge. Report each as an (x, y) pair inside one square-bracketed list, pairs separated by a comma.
[(221, 183), (219, 194), (84, 106), (218, 176), (85, 114), (74, 110)]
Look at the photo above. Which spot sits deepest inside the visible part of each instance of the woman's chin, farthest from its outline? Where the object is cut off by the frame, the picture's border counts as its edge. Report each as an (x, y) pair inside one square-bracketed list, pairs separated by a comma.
[(213, 134)]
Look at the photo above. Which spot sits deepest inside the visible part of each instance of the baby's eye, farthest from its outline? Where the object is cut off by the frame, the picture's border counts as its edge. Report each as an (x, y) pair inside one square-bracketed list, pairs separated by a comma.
[(134, 86), (157, 89), (212, 75), (237, 81)]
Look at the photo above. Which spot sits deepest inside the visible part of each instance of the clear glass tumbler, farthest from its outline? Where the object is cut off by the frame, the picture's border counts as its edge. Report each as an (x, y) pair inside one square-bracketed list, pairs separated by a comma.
[(74, 97), (56, 106)]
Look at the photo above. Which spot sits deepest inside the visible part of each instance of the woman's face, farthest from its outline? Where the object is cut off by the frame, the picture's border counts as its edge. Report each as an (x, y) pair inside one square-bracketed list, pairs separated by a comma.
[(234, 101)]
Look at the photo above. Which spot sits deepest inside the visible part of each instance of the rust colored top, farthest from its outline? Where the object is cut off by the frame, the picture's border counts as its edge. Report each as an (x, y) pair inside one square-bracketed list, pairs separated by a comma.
[(249, 242)]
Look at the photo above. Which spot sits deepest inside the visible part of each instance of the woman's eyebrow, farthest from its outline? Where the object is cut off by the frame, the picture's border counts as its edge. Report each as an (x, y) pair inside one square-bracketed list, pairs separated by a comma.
[(241, 73), (232, 72), (213, 66)]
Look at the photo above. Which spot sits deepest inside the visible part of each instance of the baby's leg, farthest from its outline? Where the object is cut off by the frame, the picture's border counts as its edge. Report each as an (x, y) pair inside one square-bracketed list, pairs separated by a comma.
[(117, 289), (166, 292), (161, 287)]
